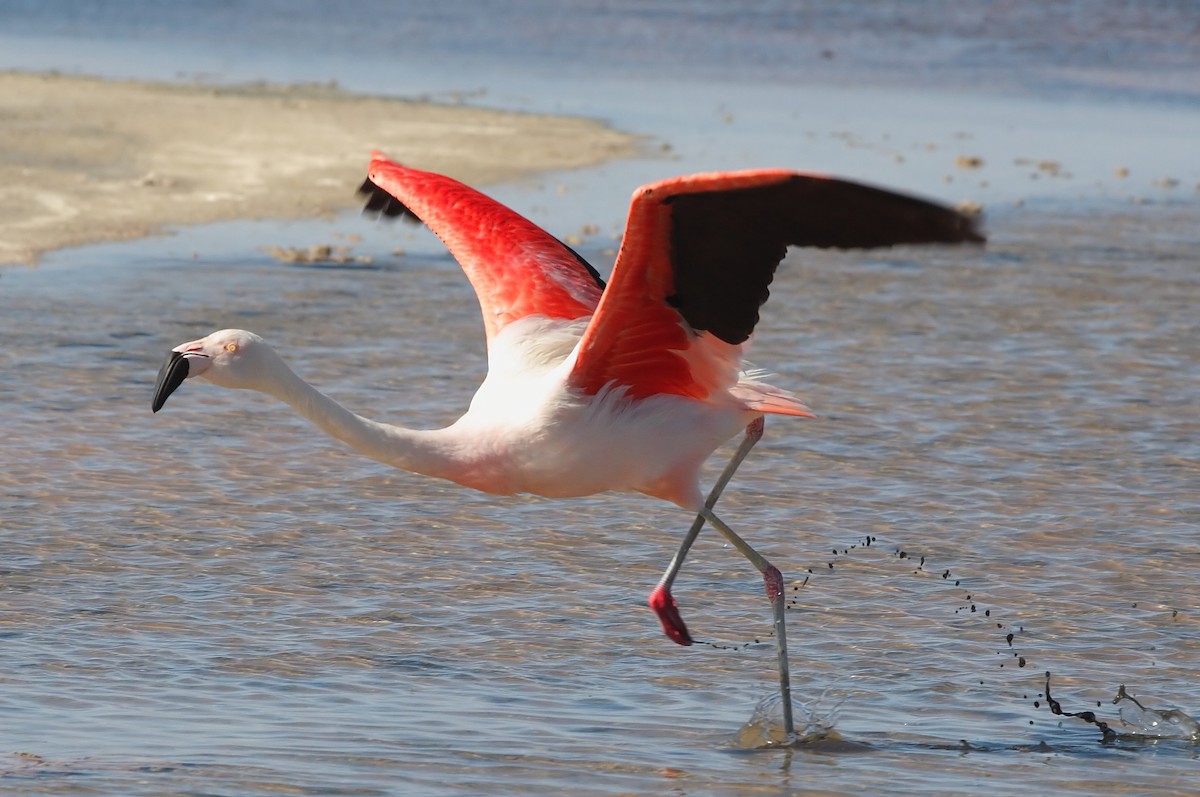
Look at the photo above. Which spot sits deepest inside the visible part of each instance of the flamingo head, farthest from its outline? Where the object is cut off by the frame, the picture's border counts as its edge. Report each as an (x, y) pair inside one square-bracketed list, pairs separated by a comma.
[(229, 357)]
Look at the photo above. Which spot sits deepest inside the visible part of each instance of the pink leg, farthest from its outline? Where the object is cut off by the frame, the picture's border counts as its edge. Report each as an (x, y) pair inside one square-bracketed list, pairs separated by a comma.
[(773, 581), (661, 600), (663, 604)]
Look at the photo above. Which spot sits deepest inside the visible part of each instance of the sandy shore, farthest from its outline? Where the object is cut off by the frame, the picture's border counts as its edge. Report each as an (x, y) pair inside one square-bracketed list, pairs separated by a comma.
[(85, 160)]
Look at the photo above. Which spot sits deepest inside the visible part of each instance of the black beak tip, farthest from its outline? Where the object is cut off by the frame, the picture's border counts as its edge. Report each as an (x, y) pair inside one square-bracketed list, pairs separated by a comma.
[(174, 370)]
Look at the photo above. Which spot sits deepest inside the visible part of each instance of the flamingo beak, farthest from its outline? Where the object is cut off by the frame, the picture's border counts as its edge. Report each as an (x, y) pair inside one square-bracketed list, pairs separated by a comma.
[(174, 370)]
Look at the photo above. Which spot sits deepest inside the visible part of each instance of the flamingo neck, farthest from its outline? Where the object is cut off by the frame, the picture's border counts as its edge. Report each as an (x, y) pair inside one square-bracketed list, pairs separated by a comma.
[(429, 452)]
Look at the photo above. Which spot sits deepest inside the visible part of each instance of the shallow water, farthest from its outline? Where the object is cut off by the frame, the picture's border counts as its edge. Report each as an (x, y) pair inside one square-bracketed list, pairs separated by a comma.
[(215, 599)]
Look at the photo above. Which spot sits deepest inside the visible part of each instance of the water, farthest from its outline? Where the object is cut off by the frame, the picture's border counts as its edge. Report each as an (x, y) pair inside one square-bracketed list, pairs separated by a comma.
[(1170, 723), (216, 600), (213, 599)]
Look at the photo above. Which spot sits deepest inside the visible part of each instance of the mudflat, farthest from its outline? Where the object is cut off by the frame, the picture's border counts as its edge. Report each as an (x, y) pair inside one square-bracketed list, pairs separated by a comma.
[(84, 160)]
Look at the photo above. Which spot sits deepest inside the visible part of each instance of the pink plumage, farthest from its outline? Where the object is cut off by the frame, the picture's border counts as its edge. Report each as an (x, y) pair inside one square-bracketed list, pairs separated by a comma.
[(590, 388)]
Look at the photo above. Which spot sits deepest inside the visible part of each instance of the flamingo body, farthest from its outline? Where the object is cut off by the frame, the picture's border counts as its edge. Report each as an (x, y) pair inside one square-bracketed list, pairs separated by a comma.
[(591, 388), (535, 432)]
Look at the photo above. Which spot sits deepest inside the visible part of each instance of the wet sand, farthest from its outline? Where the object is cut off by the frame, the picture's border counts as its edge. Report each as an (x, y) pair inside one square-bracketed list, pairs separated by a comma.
[(85, 160)]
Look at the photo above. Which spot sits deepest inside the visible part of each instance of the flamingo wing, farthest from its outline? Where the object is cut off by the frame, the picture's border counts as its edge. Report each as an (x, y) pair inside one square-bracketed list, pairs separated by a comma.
[(699, 254), (517, 268)]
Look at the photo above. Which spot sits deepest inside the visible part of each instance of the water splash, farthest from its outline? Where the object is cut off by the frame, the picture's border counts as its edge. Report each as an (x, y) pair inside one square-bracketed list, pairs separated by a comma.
[(1087, 716), (1155, 723), (1142, 722), (765, 729)]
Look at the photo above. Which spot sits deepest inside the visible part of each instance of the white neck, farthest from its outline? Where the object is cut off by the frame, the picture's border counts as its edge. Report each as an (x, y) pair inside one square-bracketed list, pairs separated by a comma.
[(431, 452)]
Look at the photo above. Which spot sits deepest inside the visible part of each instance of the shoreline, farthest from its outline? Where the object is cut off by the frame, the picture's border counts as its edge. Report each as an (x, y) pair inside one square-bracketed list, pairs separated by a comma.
[(87, 160)]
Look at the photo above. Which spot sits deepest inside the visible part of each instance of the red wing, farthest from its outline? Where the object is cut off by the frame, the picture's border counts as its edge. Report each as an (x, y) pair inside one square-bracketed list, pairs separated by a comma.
[(699, 255), (516, 268)]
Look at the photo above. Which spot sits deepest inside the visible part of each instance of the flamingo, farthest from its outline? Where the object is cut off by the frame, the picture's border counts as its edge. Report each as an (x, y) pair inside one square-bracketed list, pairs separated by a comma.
[(629, 387)]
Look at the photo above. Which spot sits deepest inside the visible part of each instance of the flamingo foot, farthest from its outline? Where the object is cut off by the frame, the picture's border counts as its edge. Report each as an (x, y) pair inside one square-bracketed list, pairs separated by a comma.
[(663, 604), (773, 581)]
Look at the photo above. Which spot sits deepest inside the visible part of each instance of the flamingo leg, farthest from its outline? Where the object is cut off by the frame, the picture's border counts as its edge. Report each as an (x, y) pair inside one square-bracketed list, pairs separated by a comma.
[(773, 581), (661, 600), (664, 604)]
